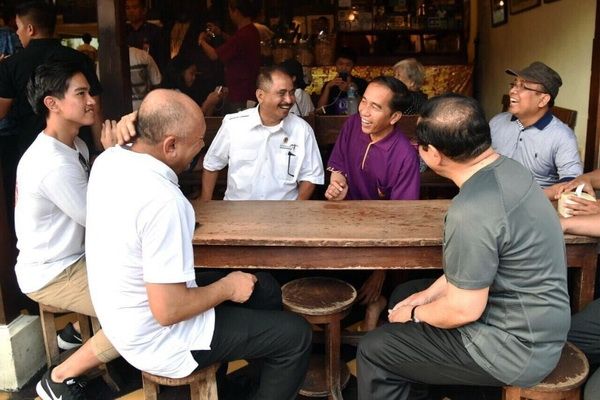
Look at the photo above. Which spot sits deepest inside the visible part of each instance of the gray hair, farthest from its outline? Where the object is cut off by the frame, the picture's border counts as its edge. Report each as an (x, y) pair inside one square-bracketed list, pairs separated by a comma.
[(158, 116), (414, 71)]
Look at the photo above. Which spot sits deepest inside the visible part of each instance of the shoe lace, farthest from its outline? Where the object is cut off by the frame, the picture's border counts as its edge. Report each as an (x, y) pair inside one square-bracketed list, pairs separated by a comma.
[(76, 388)]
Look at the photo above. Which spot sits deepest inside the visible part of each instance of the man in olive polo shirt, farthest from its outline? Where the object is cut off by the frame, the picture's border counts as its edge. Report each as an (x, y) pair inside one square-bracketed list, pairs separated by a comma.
[(499, 315)]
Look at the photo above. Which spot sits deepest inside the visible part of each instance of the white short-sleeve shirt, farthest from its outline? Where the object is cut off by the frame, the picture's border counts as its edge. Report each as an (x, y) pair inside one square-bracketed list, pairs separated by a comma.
[(50, 210), (139, 231), (303, 105), (265, 163)]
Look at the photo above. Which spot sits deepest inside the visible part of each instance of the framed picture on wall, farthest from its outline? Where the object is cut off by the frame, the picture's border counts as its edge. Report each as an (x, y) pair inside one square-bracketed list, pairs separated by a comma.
[(517, 6), (318, 23), (499, 12)]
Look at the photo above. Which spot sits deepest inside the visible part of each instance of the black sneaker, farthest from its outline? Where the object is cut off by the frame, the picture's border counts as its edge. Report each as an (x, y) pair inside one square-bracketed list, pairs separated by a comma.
[(69, 389), (68, 338)]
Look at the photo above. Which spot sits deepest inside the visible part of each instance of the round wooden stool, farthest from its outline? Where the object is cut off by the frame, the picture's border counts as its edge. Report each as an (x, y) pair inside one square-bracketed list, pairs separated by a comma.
[(564, 383), (322, 301), (202, 382)]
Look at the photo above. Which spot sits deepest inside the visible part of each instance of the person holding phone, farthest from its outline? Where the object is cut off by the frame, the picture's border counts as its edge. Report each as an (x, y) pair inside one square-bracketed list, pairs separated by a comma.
[(335, 92)]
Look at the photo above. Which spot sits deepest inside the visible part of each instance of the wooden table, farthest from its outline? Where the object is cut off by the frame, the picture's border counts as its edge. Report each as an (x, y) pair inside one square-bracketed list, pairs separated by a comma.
[(344, 235)]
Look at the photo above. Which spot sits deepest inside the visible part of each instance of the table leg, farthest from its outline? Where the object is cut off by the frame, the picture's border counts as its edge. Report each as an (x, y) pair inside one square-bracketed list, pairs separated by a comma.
[(585, 278), (332, 358)]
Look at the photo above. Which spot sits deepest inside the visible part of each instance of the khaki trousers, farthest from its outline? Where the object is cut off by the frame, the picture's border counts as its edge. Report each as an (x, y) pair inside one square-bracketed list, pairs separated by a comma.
[(69, 291)]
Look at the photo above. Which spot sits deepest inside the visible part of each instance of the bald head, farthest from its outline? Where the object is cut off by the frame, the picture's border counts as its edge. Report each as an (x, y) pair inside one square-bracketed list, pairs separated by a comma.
[(167, 112), (455, 125)]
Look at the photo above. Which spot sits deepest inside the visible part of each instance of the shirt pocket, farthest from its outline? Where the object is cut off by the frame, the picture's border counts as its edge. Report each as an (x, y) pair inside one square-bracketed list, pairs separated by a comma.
[(243, 162), (286, 165)]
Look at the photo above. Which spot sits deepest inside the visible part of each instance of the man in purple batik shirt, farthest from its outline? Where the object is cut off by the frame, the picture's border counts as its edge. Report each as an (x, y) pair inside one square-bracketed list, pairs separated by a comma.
[(373, 160)]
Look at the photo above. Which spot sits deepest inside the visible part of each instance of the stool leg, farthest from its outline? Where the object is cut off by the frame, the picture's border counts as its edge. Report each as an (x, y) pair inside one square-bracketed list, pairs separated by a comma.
[(574, 394), (150, 389), (49, 332), (511, 393), (84, 327), (95, 324), (332, 358), (203, 390), (95, 327)]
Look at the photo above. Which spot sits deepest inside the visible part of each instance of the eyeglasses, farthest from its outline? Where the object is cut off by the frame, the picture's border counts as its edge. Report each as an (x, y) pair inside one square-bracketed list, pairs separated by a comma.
[(519, 86)]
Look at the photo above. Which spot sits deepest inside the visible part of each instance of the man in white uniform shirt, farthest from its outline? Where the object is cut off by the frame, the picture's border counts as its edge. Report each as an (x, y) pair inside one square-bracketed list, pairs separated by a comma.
[(141, 264), (50, 216), (271, 154)]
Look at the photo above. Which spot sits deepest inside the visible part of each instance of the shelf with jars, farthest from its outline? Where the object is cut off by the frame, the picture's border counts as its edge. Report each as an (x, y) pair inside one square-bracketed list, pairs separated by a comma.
[(381, 31)]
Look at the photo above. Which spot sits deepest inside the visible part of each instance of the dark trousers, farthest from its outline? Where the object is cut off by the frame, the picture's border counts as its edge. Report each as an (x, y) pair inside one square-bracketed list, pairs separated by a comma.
[(585, 334), (397, 361), (258, 330)]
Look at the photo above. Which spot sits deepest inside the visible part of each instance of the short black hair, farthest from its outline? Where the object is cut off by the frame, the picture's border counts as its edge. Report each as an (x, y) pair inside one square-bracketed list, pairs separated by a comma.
[(347, 53), (455, 125), (248, 8), (294, 69), (265, 77), (173, 73), (401, 100), (86, 37), (50, 79), (40, 14)]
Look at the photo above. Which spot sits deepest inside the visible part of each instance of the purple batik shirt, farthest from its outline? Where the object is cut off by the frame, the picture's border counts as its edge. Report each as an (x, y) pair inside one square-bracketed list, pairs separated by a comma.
[(384, 170)]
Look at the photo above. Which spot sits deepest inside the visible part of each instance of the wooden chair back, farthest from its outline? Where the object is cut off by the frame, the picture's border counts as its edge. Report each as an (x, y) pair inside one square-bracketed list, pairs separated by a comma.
[(566, 115)]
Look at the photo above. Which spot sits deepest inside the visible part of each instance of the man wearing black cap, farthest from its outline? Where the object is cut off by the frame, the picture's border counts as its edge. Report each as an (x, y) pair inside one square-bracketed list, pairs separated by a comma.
[(530, 134)]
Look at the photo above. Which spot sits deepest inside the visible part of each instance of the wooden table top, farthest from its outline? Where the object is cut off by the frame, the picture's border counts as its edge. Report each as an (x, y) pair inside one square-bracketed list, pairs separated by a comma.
[(326, 223)]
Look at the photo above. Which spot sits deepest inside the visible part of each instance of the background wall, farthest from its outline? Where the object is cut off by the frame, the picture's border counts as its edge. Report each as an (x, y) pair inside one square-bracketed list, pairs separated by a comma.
[(559, 34)]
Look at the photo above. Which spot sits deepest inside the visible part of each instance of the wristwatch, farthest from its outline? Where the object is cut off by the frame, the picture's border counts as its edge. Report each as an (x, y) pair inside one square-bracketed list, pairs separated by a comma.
[(413, 317)]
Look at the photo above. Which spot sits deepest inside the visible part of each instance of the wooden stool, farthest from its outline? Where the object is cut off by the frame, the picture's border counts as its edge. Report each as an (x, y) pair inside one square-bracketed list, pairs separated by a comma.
[(202, 382), (322, 301), (564, 383), (47, 316), (53, 355)]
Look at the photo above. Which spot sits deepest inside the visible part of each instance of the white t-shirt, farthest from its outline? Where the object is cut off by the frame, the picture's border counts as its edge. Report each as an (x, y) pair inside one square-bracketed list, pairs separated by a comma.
[(303, 105), (50, 210), (265, 163), (139, 229)]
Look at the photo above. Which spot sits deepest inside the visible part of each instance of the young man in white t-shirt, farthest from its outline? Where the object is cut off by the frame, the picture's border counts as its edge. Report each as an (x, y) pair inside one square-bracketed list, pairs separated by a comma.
[(50, 216)]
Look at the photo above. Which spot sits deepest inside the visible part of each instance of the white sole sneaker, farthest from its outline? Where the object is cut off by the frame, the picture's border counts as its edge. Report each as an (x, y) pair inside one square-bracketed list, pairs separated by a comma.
[(66, 345)]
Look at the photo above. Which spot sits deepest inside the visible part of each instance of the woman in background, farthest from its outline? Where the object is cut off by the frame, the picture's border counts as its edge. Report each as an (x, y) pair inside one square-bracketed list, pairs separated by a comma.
[(180, 74), (412, 74), (304, 104)]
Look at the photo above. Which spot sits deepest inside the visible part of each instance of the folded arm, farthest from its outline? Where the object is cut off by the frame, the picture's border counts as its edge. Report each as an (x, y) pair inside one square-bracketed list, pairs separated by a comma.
[(456, 307)]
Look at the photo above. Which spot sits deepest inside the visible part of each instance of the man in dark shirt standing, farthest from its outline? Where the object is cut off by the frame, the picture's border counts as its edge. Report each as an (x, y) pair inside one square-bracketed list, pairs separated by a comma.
[(143, 34), (240, 54)]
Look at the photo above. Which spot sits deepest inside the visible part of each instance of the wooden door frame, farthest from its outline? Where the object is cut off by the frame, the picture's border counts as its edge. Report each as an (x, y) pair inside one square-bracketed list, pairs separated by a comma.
[(592, 138)]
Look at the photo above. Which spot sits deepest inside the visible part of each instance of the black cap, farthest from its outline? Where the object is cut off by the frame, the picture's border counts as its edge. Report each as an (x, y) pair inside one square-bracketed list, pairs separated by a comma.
[(539, 72)]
